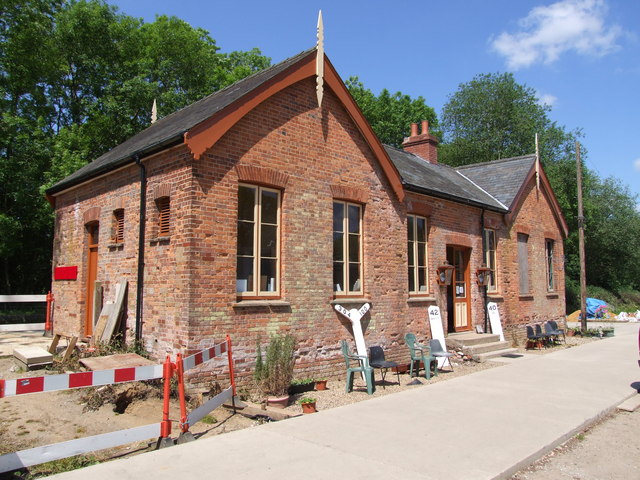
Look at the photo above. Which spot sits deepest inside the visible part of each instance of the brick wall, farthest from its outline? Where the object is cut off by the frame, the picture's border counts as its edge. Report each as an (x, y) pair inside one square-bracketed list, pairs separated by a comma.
[(311, 155)]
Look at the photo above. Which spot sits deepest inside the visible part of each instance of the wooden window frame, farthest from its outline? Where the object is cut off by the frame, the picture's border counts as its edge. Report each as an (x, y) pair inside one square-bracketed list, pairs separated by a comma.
[(255, 291), (413, 250), (549, 246), (164, 216), (346, 290), (524, 282), (491, 259)]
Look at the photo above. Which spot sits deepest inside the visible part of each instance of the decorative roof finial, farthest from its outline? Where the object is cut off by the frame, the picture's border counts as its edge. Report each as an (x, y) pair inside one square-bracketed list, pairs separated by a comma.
[(320, 60), (154, 112), (537, 164)]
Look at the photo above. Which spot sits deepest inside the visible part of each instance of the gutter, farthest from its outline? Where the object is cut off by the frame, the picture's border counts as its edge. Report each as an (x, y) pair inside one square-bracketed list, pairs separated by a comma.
[(453, 198), (141, 242)]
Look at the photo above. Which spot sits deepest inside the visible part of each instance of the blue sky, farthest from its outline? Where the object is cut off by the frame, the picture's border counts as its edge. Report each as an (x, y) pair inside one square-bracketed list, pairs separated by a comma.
[(581, 56)]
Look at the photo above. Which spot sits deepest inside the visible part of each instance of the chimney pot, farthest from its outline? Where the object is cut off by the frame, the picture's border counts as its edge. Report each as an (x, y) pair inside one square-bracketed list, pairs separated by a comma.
[(424, 145)]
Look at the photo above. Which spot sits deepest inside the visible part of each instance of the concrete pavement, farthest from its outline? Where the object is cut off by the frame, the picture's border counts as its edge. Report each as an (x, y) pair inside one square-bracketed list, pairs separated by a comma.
[(481, 426), (22, 338)]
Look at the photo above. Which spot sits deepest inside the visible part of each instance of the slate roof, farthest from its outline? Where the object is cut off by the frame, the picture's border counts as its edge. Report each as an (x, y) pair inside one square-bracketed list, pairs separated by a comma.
[(491, 185), (169, 130), (441, 181), (503, 179)]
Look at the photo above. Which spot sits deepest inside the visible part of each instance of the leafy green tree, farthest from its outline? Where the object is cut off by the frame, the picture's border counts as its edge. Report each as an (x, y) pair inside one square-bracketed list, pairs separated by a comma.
[(493, 117), (25, 142), (77, 78), (390, 115)]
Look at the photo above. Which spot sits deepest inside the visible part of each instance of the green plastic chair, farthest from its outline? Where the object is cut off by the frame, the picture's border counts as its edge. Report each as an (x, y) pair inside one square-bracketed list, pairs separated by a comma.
[(363, 367), (420, 353)]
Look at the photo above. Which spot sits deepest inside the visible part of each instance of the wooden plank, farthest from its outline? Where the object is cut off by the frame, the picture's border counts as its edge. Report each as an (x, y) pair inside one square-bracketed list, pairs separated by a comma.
[(120, 360), (98, 292), (115, 313), (70, 348), (102, 322), (54, 344)]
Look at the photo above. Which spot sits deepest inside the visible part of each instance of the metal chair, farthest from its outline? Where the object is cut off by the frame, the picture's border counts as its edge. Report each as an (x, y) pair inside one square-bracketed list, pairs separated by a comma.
[(533, 337), (377, 360), (363, 367), (439, 352), (420, 353)]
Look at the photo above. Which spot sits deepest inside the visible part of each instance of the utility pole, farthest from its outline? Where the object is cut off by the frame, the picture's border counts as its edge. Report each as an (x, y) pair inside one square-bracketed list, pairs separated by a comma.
[(583, 276)]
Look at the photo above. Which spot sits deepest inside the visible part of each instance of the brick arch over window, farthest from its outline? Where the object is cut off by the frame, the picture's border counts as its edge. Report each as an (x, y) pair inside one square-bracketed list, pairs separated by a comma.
[(262, 176), (418, 208), (161, 190), (91, 215), (351, 194), (458, 239)]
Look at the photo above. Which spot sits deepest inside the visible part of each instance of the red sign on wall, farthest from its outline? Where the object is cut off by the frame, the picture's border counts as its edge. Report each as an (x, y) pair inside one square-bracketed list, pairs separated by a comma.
[(65, 273)]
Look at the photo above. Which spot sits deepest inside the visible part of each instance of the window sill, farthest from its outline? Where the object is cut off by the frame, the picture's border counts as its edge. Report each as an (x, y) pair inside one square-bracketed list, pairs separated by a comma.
[(494, 296), (261, 303), (165, 239), (527, 296), (350, 300), (116, 246), (552, 295), (421, 299)]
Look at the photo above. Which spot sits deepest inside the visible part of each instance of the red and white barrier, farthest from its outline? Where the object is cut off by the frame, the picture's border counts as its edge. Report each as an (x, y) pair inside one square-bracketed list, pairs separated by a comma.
[(162, 430), (193, 361), (50, 383)]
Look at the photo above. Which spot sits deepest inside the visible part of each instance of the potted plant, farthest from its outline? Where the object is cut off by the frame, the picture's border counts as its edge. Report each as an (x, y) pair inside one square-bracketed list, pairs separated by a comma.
[(607, 332), (301, 385), (273, 375), (308, 404), (321, 384)]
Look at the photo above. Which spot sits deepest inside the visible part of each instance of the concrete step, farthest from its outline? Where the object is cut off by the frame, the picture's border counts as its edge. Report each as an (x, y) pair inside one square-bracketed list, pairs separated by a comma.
[(472, 350), (483, 357), (461, 340)]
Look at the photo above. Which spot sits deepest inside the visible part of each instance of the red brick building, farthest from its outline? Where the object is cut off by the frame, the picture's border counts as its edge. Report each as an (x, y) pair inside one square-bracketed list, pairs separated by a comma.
[(262, 210)]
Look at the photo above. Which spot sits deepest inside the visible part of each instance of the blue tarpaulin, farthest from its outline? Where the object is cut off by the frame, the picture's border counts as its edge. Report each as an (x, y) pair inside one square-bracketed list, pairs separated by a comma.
[(595, 308)]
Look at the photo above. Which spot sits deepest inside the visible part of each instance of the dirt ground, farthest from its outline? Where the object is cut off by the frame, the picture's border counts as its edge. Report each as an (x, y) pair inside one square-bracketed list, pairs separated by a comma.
[(608, 450)]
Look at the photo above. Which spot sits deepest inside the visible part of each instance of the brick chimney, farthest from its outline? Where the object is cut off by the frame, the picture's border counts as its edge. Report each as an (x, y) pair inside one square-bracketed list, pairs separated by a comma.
[(424, 145)]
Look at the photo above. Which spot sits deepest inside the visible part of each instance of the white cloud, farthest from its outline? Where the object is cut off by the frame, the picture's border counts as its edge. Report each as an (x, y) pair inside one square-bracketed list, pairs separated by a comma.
[(549, 31), (546, 99), (636, 164)]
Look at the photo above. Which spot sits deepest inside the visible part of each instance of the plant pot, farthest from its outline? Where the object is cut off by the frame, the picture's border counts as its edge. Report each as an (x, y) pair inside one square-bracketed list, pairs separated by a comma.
[(570, 333), (607, 333), (321, 384), (278, 402), (308, 407)]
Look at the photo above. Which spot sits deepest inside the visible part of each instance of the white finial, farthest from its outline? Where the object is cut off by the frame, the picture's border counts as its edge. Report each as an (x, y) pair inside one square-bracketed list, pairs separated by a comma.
[(320, 60), (537, 164), (154, 112)]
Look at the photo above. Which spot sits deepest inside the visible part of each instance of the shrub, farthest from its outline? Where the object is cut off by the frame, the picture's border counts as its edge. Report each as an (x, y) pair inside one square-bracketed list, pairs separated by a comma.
[(630, 299), (274, 374)]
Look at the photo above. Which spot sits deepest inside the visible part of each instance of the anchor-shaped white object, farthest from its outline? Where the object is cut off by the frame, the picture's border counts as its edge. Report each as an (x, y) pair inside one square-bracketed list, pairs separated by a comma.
[(355, 315)]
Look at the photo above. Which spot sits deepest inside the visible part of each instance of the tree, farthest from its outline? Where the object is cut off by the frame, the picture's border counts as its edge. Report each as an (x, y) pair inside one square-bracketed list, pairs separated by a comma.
[(389, 115), (77, 78), (493, 117)]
